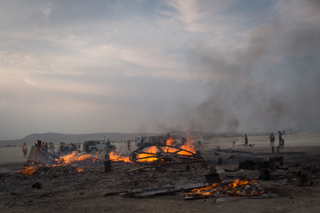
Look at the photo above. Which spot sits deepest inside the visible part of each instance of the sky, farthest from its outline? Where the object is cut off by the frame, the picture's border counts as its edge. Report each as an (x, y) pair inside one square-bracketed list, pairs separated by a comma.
[(131, 66)]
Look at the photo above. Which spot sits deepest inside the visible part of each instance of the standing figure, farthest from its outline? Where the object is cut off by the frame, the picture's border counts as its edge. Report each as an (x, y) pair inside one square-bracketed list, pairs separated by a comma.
[(129, 149), (46, 147), (51, 147), (62, 149), (272, 138), (24, 150), (281, 140), (38, 144), (245, 139)]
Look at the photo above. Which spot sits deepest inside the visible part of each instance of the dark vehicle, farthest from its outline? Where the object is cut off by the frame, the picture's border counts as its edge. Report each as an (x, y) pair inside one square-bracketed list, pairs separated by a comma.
[(66, 149), (143, 141)]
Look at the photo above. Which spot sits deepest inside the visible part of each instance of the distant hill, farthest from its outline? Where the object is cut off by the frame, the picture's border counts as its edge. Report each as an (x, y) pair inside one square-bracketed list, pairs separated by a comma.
[(68, 138), (75, 138)]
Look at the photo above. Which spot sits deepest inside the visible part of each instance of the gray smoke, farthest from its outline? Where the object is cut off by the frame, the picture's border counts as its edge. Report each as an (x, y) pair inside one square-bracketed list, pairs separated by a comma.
[(272, 85)]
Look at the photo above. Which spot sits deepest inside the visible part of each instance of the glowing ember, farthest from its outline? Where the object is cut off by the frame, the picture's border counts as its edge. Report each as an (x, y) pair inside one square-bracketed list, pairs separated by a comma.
[(236, 188), (78, 170)]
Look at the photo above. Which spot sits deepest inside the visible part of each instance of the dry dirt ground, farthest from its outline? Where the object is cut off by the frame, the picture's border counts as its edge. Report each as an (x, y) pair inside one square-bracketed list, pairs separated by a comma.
[(64, 190)]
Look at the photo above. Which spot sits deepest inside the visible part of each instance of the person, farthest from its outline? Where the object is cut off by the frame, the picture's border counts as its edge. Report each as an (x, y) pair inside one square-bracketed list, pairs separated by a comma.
[(38, 144), (245, 139), (24, 149), (129, 149), (46, 147), (61, 148), (272, 138), (281, 141), (51, 147)]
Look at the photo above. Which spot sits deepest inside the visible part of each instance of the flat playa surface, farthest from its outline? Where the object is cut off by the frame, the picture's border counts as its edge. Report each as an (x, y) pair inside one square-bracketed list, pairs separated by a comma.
[(65, 191)]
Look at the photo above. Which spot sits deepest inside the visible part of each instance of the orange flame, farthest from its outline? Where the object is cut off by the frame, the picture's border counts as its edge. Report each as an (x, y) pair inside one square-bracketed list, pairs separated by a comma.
[(115, 157), (150, 154), (170, 141), (29, 170), (71, 158), (148, 157), (233, 189), (189, 145), (78, 170)]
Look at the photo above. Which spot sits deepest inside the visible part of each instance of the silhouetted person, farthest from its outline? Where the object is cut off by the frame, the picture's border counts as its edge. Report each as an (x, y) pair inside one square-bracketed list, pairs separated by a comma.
[(281, 141), (24, 149), (38, 144), (272, 138), (129, 149), (245, 139)]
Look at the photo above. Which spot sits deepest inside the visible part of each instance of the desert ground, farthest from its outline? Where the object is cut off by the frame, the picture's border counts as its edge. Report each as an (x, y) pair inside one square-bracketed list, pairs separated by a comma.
[(94, 190)]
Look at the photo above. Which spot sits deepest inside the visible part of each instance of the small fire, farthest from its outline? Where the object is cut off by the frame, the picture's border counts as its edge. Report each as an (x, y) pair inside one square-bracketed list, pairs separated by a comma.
[(73, 157), (78, 170), (189, 145), (236, 188), (29, 170), (115, 157)]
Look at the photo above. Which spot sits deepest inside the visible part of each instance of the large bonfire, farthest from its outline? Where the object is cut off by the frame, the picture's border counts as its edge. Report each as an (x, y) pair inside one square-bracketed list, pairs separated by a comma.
[(169, 152)]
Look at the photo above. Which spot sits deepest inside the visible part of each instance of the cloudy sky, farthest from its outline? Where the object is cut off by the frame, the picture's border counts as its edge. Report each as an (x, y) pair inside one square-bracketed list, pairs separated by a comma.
[(81, 66)]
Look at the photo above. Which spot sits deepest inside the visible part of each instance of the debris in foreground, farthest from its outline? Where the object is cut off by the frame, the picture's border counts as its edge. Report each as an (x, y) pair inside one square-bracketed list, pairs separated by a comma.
[(245, 188)]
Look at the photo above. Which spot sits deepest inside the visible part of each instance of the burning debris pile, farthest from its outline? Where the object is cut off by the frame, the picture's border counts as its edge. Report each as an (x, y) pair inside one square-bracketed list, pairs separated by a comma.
[(244, 188), (72, 162), (170, 152)]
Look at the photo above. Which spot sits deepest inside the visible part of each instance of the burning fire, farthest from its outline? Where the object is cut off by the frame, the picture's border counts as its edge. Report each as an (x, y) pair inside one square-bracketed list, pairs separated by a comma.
[(189, 146), (151, 154), (236, 188), (71, 159), (115, 157), (29, 170)]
